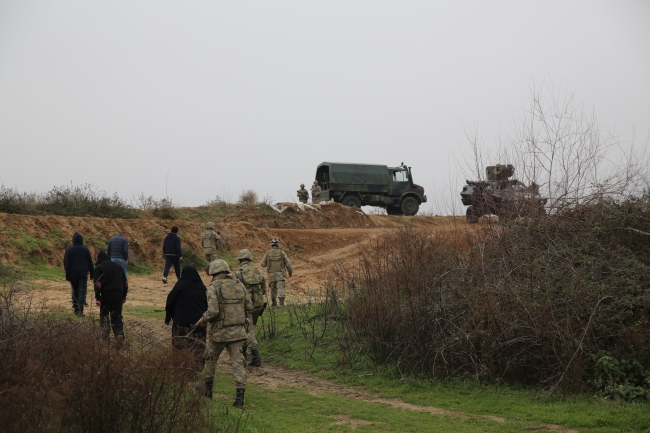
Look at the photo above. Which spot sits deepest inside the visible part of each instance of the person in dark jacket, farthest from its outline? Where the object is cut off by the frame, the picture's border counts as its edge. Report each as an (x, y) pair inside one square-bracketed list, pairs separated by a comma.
[(111, 289), (118, 250), (172, 252), (78, 265), (186, 303)]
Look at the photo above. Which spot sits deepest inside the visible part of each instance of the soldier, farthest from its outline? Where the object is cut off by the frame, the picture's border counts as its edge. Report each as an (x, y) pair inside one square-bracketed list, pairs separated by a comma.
[(253, 280), (303, 195), (228, 306), (315, 193), (275, 261), (211, 242)]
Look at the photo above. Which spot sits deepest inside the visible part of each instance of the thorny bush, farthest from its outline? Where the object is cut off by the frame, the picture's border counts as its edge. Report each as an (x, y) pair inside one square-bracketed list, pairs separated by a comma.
[(58, 375), (538, 302)]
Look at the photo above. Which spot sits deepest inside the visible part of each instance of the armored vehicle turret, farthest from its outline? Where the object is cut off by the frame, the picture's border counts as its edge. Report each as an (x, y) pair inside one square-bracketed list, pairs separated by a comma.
[(502, 196)]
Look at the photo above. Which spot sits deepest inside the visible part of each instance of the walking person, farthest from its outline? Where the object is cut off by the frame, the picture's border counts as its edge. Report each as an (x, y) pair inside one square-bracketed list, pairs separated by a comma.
[(211, 242), (255, 283), (172, 252), (78, 266), (185, 306), (118, 251), (276, 261), (228, 306), (111, 288)]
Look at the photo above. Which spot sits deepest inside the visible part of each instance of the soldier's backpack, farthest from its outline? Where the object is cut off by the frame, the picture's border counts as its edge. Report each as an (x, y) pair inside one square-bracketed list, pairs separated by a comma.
[(252, 279), (275, 260), (207, 242), (232, 302)]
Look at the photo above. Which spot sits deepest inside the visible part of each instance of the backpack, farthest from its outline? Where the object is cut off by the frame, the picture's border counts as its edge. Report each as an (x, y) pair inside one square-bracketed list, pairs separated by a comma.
[(231, 295), (252, 279), (275, 260)]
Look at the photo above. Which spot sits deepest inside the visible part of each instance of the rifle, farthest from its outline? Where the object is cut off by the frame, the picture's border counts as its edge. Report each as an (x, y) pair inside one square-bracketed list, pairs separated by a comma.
[(259, 313)]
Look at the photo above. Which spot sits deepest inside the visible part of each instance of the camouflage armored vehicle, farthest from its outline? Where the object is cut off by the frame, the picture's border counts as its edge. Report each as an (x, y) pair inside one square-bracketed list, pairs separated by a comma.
[(371, 185), (499, 195)]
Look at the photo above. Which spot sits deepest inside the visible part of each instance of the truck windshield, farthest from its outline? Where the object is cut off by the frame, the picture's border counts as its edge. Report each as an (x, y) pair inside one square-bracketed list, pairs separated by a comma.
[(400, 176)]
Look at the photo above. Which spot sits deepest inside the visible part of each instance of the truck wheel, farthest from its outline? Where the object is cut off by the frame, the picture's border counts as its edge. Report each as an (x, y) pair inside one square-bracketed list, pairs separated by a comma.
[(393, 210), (352, 200), (471, 215), (409, 206)]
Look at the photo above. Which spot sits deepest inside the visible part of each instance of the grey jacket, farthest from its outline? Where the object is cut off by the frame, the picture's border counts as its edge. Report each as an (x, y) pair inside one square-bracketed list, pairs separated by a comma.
[(118, 248)]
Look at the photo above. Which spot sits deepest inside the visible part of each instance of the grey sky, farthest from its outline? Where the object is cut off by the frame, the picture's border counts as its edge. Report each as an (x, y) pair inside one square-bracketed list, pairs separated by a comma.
[(227, 96)]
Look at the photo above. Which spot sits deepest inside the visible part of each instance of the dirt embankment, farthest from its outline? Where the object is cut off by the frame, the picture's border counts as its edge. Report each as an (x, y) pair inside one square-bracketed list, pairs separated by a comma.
[(46, 237)]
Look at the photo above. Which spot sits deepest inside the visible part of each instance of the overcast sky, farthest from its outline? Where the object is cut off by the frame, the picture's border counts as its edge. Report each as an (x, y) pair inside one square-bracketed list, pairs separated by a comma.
[(222, 96)]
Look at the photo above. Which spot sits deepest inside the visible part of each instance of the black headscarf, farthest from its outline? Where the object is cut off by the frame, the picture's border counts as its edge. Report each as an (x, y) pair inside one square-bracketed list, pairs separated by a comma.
[(188, 300)]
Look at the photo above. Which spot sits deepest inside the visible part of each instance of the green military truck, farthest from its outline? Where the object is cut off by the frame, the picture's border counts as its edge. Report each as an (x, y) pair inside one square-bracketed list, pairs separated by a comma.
[(371, 185)]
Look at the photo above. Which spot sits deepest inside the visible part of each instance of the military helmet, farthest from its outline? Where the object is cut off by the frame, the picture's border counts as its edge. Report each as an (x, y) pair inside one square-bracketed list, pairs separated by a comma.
[(275, 241), (302, 185), (244, 255), (218, 266), (209, 225), (315, 182)]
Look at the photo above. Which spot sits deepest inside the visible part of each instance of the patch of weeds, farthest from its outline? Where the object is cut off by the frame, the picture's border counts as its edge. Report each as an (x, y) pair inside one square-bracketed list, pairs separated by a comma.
[(155, 234), (229, 258), (97, 241), (39, 270), (26, 243), (265, 209), (57, 238), (139, 267), (193, 259)]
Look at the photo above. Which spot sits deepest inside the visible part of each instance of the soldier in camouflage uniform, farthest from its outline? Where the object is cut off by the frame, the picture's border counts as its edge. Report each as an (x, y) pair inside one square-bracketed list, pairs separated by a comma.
[(275, 261), (211, 242), (253, 280), (315, 193), (228, 307), (303, 195)]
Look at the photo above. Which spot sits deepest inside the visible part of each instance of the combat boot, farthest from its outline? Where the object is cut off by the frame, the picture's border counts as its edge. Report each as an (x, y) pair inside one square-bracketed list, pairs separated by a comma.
[(282, 302), (273, 303), (205, 388), (257, 359), (239, 399)]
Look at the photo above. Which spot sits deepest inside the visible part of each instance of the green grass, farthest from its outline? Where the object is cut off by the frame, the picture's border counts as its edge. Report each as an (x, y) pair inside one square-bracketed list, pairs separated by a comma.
[(144, 312), (521, 407), (229, 258), (141, 267)]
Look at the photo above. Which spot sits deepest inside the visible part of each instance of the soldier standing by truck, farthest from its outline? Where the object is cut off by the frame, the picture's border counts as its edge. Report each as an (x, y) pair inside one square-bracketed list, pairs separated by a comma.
[(315, 193), (228, 306), (253, 280), (211, 242), (303, 195), (276, 261)]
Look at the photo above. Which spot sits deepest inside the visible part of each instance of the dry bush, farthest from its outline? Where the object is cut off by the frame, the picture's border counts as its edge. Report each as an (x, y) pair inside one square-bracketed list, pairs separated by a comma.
[(248, 197), (540, 301), (59, 375)]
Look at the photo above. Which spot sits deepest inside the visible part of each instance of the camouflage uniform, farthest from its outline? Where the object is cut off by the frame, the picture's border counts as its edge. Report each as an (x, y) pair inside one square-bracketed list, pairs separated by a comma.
[(211, 242), (303, 195), (228, 306), (255, 283), (315, 193), (275, 261)]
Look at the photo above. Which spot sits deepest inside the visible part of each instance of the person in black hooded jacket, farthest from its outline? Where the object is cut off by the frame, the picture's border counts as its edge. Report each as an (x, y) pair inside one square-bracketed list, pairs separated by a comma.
[(186, 304), (78, 265), (111, 288)]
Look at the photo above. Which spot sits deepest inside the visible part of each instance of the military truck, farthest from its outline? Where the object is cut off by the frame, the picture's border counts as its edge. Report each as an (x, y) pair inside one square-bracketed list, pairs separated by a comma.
[(499, 195), (359, 185)]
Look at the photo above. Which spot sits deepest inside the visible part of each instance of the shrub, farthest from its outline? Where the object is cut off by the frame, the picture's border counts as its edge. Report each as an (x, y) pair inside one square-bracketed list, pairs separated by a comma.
[(527, 303), (193, 259), (59, 375), (248, 197)]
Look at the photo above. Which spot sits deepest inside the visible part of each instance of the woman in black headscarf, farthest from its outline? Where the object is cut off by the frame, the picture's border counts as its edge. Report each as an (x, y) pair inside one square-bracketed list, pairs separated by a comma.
[(186, 303)]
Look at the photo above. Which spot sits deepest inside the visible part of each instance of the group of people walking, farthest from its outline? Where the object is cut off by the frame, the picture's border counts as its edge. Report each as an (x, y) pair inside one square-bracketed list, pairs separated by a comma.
[(205, 320)]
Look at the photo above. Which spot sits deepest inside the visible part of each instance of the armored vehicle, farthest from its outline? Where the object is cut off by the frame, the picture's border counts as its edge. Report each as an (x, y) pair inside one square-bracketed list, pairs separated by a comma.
[(499, 195), (371, 185)]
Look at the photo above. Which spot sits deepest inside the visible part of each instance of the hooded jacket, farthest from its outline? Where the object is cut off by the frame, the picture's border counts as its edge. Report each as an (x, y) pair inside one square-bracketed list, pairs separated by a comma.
[(111, 275), (188, 300), (172, 245), (77, 261)]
